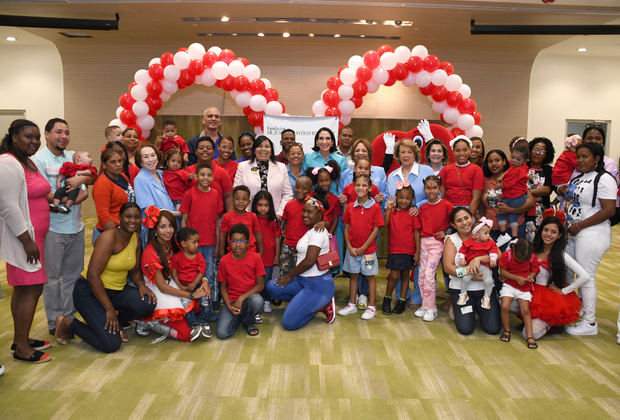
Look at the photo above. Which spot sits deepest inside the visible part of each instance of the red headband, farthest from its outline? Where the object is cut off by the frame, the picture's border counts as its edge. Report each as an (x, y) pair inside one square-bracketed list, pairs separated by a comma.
[(559, 214)]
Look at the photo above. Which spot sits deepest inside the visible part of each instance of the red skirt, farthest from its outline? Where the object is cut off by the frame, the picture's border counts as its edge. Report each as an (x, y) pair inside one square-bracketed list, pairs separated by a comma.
[(553, 307)]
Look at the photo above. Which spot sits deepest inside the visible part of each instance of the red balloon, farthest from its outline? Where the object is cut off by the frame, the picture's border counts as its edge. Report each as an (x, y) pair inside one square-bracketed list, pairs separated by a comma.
[(271, 95), (166, 59), (152, 112), (439, 93), (454, 99), (196, 67), (126, 101), (447, 67), (247, 110), (477, 117), (401, 71), (332, 111), (186, 79), (363, 73), (127, 117), (430, 63), (468, 106), (257, 87), (256, 118), (228, 84), (391, 80), (218, 83), (371, 59), (357, 101), (227, 56), (182, 49), (153, 88), (242, 83), (156, 71), (154, 103), (442, 120), (340, 126), (331, 98), (209, 58), (334, 82), (457, 131), (383, 49), (427, 90), (360, 89), (244, 61), (342, 68), (132, 84), (415, 64)]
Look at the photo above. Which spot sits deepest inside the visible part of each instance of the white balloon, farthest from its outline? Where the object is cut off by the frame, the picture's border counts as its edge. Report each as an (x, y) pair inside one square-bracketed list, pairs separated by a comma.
[(387, 61), (155, 60), (118, 111), (172, 73), (234, 93), (347, 76), (216, 50), (206, 78), (142, 77), (438, 77), (419, 51), (236, 68), (146, 122), (146, 133), (164, 96), (284, 114), (440, 107), (355, 62), (345, 119), (453, 82), (274, 108), (372, 86), (181, 60), (219, 70), (266, 82), (116, 121), (402, 53), (258, 131), (465, 122), (346, 107), (169, 87), (319, 107), (475, 131), (345, 92), (252, 72), (409, 80), (258, 103), (243, 99), (140, 108), (465, 91), (139, 93), (451, 115), (379, 76), (196, 51), (422, 78)]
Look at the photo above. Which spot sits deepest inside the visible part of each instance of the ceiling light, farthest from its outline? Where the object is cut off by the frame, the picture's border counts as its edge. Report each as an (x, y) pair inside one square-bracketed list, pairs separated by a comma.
[(234, 34), (336, 35), (286, 34), (362, 36), (260, 34), (311, 35), (582, 49), (225, 19), (11, 38)]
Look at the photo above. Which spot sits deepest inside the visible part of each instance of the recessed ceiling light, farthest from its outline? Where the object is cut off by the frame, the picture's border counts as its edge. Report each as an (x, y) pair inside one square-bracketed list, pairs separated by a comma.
[(582, 49), (311, 35), (336, 35), (234, 34), (11, 38), (286, 34), (260, 34), (362, 36), (225, 19)]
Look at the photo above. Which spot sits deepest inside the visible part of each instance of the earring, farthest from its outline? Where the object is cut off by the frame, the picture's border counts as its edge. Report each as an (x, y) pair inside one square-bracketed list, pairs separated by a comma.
[(155, 235)]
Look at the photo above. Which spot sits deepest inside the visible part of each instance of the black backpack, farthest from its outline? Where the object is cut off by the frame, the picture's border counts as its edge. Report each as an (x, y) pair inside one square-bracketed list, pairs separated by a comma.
[(616, 217)]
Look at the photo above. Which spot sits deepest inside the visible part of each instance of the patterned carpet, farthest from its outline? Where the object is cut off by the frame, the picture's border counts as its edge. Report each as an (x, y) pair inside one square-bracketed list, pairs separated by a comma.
[(390, 367)]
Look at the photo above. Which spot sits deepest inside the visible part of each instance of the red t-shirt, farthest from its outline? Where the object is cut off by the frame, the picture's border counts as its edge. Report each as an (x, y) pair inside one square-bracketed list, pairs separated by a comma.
[(221, 180), (523, 269), (402, 228), (230, 167), (68, 169), (203, 209), (334, 208), (351, 195), (515, 181), (435, 217), (295, 227), (270, 229), (472, 249), (361, 222), (176, 183), (249, 219), (133, 172), (188, 268), (176, 142), (240, 275), (460, 181), (564, 167)]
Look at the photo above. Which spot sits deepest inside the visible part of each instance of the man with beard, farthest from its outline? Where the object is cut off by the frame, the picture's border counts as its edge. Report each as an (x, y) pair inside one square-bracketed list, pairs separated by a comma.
[(345, 141), (287, 139)]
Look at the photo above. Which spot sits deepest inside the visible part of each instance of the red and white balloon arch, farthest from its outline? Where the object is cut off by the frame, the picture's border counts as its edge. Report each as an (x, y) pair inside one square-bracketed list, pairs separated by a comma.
[(344, 93)]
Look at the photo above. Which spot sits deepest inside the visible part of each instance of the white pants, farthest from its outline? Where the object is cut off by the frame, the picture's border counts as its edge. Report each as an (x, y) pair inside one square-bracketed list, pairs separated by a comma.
[(588, 248)]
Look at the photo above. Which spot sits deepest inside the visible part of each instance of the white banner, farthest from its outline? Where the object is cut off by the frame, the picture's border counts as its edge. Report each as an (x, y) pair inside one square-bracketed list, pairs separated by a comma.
[(305, 129)]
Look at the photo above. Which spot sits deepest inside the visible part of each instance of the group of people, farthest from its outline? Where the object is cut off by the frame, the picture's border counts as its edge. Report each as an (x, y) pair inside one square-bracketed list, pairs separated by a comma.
[(188, 234)]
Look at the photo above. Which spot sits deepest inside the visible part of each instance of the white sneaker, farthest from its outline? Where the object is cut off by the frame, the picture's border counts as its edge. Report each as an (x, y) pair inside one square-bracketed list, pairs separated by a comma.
[(362, 302), (486, 302), (348, 310), (430, 315), (369, 313), (205, 330), (463, 298), (195, 332), (503, 239), (2, 367), (582, 328), (420, 312), (267, 307)]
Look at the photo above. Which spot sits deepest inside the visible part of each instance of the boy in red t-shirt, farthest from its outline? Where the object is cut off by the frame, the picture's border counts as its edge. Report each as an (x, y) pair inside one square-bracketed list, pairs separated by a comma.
[(293, 227), (170, 140), (242, 278), (239, 214), (513, 184)]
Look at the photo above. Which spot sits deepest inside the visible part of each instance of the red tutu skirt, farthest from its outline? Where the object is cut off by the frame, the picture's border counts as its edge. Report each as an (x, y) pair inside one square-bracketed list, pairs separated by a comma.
[(553, 307)]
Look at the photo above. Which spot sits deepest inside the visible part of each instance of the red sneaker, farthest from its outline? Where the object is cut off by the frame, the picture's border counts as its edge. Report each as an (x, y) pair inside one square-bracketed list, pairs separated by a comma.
[(330, 311)]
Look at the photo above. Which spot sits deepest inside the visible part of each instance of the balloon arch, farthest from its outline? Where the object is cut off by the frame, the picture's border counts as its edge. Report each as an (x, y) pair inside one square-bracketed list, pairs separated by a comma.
[(344, 93)]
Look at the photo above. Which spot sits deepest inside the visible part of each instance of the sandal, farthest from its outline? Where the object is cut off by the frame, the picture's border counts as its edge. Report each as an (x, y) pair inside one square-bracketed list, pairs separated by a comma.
[(124, 337), (532, 345), (63, 329), (252, 331), (505, 337), (35, 358), (35, 344)]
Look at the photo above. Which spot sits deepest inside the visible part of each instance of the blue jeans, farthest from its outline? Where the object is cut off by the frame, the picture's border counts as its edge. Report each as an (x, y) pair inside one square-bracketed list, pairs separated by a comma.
[(228, 323), (306, 296), (512, 217), (207, 253), (205, 315), (268, 274)]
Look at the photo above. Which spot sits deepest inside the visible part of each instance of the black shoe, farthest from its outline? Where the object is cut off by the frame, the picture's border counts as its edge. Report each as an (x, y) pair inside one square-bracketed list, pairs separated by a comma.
[(555, 330), (400, 307), (386, 308), (276, 302)]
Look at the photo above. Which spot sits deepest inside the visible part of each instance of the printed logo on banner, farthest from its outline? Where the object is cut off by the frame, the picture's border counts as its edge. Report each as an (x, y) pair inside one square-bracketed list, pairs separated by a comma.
[(305, 129)]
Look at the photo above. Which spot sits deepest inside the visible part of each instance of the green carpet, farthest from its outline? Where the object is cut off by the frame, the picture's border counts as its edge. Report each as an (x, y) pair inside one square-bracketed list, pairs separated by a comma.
[(390, 367)]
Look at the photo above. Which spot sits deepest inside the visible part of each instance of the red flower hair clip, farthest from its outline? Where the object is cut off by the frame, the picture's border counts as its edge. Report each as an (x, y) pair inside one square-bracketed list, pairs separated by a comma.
[(559, 214), (152, 217)]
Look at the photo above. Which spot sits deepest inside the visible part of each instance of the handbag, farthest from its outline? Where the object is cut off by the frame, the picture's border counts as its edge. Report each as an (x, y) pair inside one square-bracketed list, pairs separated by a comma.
[(332, 258)]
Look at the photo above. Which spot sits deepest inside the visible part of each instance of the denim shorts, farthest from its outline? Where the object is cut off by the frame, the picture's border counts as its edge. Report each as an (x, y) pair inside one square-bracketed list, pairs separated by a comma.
[(368, 265)]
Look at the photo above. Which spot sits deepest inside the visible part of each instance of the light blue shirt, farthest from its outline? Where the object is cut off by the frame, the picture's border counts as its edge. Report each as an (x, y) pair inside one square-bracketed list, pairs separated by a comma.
[(416, 177), (149, 192), (377, 175), (49, 165), (315, 160), (292, 178)]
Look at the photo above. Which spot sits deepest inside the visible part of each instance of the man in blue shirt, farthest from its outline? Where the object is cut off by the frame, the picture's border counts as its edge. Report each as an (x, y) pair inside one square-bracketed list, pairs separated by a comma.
[(211, 122)]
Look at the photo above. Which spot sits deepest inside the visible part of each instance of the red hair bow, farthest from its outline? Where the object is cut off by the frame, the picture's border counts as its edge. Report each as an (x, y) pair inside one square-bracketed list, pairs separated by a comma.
[(559, 214), (152, 217)]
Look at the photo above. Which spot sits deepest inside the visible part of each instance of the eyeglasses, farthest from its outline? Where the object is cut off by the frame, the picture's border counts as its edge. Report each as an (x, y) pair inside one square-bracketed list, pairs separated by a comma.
[(537, 150), (217, 117), (238, 241)]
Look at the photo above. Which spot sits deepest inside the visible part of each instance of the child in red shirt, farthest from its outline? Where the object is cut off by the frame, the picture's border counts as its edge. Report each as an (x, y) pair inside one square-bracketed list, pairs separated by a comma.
[(514, 190), (404, 245), (226, 147), (293, 227), (239, 214), (322, 179), (362, 221), (518, 268), (348, 195), (82, 165), (188, 272), (479, 245), (170, 140), (566, 163), (177, 179)]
